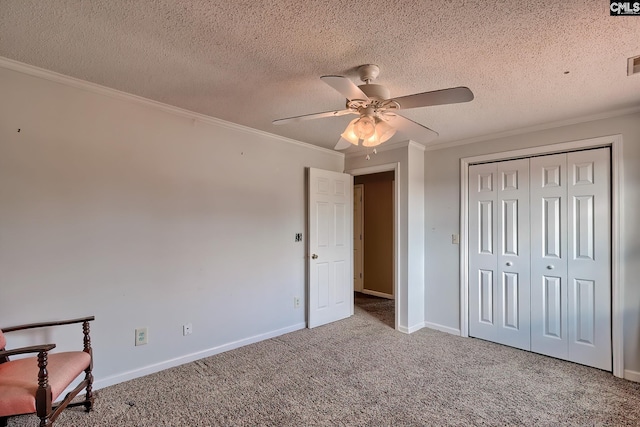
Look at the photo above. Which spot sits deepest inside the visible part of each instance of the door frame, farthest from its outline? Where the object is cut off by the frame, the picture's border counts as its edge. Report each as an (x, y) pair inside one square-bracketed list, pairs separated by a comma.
[(361, 253), (395, 167), (617, 194)]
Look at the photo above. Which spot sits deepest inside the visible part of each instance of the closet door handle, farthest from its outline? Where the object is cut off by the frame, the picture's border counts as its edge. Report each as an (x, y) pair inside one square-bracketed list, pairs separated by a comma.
[(550, 267), (509, 263)]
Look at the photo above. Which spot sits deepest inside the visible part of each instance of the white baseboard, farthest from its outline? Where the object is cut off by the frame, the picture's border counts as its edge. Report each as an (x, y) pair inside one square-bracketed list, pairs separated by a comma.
[(181, 360), (411, 329), (632, 375), (442, 328), (377, 294)]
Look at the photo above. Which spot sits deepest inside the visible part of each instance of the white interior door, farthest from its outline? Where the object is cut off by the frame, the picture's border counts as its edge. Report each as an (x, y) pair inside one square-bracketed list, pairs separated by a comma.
[(589, 280), (549, 255), (483, 261), (499, 253), (330, 252), (358, 237), (570, 263), (513, 254)]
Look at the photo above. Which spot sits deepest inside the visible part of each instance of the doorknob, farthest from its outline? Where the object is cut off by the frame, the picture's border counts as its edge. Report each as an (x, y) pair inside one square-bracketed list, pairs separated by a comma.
[(314, 256), (509, 263), (550, 267)]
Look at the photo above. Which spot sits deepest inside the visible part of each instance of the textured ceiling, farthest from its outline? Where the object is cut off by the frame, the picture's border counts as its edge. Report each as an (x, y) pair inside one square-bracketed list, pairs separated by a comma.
[(253, 61)]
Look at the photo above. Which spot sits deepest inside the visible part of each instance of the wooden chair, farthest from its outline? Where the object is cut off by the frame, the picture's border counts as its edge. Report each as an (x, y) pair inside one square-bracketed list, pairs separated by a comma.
[(32, 384)]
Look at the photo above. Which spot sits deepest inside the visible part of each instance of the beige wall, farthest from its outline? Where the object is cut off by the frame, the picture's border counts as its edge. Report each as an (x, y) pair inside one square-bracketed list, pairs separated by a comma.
[(378, 231)]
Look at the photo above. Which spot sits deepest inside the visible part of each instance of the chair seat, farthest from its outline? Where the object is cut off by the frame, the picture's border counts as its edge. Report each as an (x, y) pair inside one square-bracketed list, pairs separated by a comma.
[(19, 379)]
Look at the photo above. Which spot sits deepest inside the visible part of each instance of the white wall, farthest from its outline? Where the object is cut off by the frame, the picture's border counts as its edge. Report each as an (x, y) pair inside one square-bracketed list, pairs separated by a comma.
[(145, 217), (442, 197), (415, 236)]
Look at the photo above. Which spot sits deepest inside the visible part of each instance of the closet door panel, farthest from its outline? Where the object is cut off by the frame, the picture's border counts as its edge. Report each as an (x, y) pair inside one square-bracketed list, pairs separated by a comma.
[(548, 199), (513, 254), (589, 260), (482, 251)]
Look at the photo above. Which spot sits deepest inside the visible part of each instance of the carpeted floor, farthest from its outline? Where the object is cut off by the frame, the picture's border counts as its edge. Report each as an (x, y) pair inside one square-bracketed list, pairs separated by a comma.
[(360, 372)]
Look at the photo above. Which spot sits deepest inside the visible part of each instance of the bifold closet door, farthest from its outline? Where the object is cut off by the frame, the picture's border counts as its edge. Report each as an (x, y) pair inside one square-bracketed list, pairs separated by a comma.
[(499, 272), (570, 257)]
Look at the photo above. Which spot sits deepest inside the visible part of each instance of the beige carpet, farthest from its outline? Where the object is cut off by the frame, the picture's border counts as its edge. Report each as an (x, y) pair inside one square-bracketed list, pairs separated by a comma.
[(360, 372)]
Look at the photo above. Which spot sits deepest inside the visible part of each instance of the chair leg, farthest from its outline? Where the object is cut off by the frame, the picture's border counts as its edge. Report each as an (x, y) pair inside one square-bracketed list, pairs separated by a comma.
[(88, 397), (4, 421), (43, 393)]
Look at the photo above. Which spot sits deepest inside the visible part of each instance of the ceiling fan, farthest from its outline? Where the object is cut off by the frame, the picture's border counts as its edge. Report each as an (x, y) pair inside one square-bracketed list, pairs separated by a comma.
[(378, 118)]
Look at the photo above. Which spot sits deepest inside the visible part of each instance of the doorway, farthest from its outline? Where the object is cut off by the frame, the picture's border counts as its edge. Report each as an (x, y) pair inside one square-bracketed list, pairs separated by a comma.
[(373, 239)]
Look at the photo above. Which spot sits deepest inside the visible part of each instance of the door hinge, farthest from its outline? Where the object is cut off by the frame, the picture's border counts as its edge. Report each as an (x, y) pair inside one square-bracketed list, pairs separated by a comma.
[(361, 275), (361, 237)]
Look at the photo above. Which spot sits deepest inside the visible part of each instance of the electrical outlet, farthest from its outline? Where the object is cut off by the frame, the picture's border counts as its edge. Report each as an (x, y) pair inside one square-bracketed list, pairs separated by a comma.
[(455, 239), (296, 302), (142, 336), (187, 329)]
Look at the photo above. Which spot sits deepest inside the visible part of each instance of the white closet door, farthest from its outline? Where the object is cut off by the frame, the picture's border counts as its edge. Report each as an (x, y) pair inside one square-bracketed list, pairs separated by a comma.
[(513, 286), (570, 257), (589, 260), (483, 261), (499, 253), (549, 255)]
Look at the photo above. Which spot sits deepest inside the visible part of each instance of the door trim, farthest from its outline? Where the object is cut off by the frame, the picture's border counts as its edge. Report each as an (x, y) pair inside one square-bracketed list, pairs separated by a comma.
[(617, 195), (395, 167), (360, 256)]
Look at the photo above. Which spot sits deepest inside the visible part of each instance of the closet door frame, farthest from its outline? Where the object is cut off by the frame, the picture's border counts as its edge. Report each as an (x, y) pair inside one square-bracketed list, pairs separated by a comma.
[(617, 193)]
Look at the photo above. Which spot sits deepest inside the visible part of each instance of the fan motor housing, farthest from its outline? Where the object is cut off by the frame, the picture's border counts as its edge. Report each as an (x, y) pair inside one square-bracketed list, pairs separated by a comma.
[(375, 91)]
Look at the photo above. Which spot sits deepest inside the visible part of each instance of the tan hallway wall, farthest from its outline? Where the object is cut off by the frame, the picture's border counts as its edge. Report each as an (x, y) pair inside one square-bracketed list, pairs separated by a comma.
[(378, 231)]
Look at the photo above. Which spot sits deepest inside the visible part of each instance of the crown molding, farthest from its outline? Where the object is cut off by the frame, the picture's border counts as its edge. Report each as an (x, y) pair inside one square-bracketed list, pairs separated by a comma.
[(45, 74), (536, 128), (417, 146)]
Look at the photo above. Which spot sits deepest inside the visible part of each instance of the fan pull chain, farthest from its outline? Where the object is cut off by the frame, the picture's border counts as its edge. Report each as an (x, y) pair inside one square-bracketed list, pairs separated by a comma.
[(375, 151)]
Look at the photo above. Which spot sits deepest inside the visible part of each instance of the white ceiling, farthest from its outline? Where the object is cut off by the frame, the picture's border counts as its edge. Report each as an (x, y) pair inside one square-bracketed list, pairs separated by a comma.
[(253, 61)]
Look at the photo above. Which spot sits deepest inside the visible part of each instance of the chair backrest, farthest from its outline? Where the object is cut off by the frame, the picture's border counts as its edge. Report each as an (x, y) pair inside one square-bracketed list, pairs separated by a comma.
[(3, 343)]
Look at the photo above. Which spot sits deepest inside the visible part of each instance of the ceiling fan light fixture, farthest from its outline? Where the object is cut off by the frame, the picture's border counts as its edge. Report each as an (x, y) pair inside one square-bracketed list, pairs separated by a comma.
[(350, 134), (372, 141), (364, 127), (384, 131)]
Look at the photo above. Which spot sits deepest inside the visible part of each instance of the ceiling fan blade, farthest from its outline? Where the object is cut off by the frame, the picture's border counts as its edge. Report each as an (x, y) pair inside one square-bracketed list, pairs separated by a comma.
[(346, 87), (452, 95), (342, 144), (413, 130), (312, 116)]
